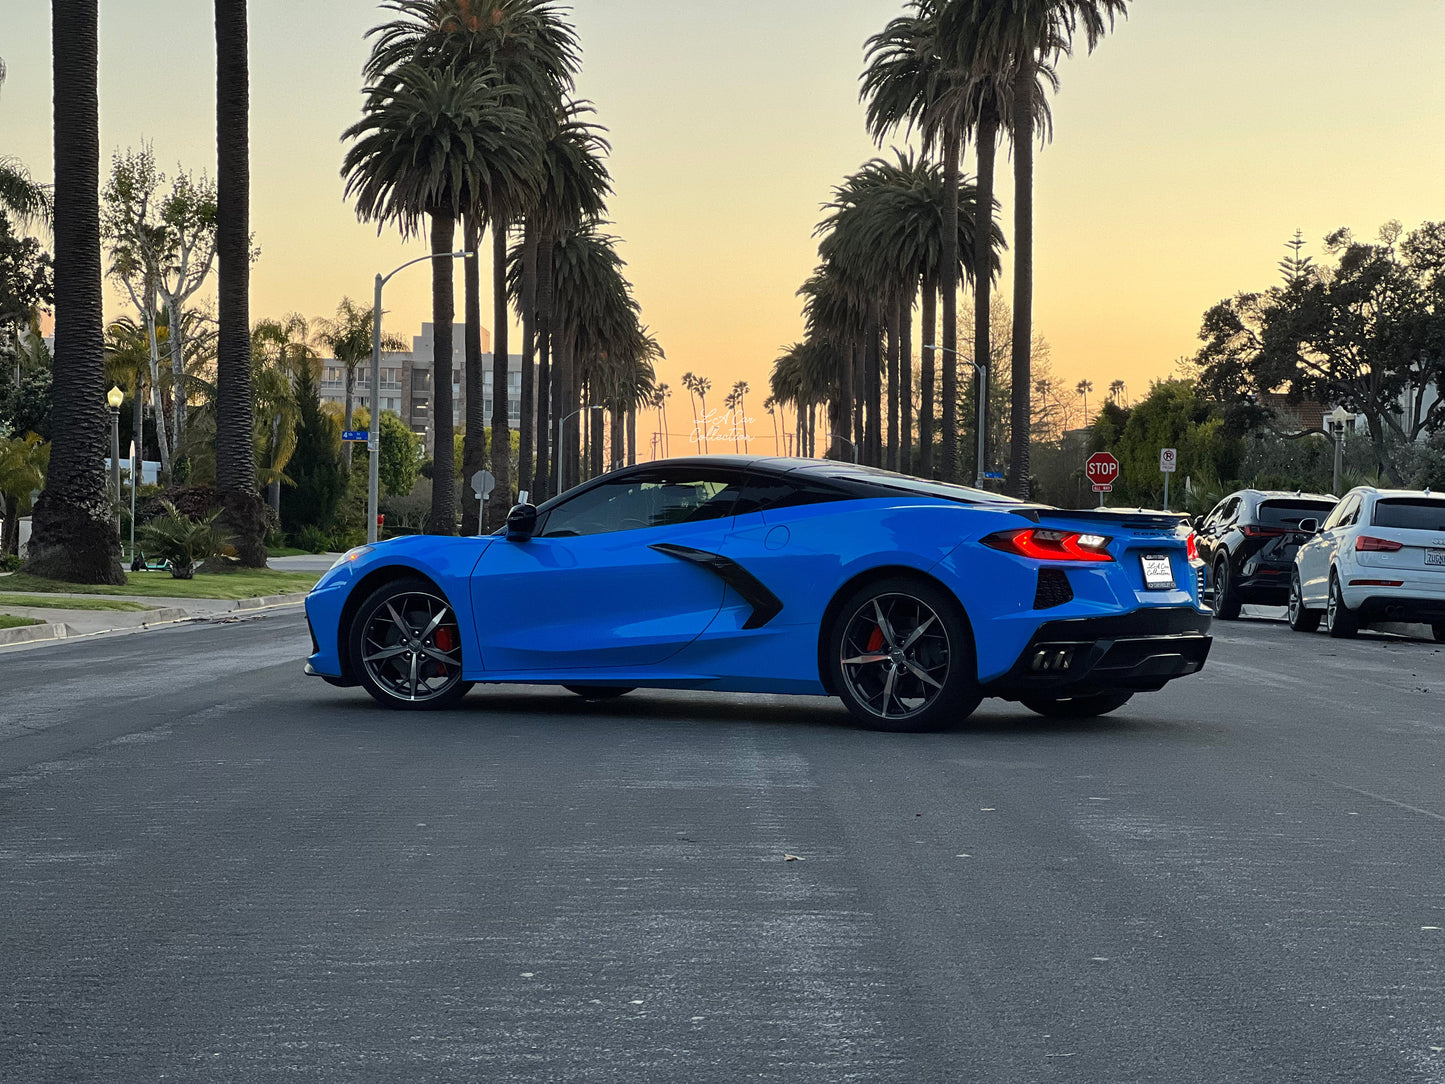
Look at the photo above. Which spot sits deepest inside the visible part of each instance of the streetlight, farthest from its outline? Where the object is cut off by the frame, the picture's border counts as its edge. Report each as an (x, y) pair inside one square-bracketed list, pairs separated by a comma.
[(1338, 419), (373, 436), (115, 397), (853, 447), (557, 448), (982, 372)]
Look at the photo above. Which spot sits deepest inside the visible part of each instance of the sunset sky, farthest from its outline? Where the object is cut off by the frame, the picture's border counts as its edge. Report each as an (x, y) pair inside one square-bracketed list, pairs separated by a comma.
[(1187, 149)]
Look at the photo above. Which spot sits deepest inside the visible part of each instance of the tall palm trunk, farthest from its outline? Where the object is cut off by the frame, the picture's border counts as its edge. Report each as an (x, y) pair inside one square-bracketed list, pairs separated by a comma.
[(348, 398), (243, 513), (983, 272), (873, 436), (443, 517), (1023, 258), (73, 537), (528, 428), (890, 324), (568, 454), (474, 438), (616, 429), (905, 380), (843, 425), (501, 449), (948, 291), (858, 353), (546, 397), (927, 379)]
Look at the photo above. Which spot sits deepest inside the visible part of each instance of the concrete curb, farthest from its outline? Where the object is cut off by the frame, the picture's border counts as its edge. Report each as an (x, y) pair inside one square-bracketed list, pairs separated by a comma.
[(28, 634), (270, 600)]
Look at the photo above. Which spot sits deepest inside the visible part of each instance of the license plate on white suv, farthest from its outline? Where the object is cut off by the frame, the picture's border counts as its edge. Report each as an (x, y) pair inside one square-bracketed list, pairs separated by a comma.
[(1435, 557), (1158, 574)]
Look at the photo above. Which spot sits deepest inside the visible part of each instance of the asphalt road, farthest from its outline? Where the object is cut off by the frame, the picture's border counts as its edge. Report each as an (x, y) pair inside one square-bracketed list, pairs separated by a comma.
[(215, 869)]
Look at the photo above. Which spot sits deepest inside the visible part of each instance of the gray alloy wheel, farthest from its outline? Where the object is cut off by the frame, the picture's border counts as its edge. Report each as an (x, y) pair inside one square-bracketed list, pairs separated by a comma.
[(1340, 621), (1301, 619), (1226, 601), (406, 647), (1077, 707), (902, 657)]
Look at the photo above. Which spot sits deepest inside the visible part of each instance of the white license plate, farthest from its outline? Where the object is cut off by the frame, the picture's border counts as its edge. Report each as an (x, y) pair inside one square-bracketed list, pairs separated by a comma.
[(1435, 557), (1158, 575)]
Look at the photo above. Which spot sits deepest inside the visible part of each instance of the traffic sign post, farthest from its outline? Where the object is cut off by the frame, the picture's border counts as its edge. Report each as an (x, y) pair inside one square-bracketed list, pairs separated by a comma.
[(483, 482), (1168, 461), (1102, 470)]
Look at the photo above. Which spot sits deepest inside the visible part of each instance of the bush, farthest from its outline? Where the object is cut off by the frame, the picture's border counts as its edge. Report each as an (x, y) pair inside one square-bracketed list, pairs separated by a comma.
[(181, 541), (9, 562), (310, 538)]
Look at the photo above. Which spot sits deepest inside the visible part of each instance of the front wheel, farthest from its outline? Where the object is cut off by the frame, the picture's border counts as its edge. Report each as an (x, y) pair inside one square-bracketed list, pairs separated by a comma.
[(902, 658), (1300, 618), (1077, 707), (406, 647), (1341, 622)]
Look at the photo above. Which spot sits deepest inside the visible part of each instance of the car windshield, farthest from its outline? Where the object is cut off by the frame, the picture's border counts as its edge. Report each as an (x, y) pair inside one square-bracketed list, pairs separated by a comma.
[(1412, 513), (906, 484), (1288, 513)]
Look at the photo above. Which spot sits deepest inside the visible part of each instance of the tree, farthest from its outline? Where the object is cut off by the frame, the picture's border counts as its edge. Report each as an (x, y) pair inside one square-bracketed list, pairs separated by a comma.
[(315, 465), (401, 455), (1082, 388), (21, 197), (22, 472), (27, 279), (349, 338), (73, 536), (1367, 334), (427, 138)]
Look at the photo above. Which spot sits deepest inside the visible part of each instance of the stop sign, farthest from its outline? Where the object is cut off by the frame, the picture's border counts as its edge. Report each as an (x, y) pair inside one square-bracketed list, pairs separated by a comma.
[(1102, 470)]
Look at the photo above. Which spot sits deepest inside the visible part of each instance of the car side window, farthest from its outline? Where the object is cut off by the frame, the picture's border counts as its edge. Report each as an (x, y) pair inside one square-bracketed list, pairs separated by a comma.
[(1214, 517), (650, 499), (1345, 513), (1227, 513), (764, 492)]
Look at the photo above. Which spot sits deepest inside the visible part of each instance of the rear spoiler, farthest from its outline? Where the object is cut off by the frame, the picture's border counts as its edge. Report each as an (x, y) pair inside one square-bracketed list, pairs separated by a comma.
[(1136, 521)]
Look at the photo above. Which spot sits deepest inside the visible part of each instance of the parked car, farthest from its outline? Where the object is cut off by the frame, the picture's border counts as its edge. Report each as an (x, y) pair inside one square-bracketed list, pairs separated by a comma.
[(1248, 543), (1379, 556), (909, 600)]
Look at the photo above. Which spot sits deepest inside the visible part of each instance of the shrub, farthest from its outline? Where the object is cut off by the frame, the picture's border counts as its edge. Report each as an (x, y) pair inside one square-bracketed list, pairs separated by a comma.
[(310, 538), (9, 562), (180, 540)]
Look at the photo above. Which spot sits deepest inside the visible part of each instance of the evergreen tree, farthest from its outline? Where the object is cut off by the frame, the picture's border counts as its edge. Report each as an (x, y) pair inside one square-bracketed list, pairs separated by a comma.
[(315, 467)]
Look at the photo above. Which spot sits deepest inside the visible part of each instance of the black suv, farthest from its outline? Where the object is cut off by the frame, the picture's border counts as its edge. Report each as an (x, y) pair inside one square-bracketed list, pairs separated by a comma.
[(1248, 544)]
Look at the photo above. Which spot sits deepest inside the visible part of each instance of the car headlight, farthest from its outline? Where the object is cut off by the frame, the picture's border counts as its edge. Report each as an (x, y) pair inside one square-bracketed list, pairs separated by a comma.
[(350, 555)]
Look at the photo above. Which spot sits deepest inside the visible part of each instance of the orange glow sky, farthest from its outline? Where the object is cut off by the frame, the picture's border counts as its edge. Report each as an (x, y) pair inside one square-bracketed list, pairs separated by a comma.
[(1187, 150)]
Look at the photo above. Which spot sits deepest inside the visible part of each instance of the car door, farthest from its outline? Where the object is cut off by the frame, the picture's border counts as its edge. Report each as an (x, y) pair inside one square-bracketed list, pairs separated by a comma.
[(1319, 555), (602, 584), (1216, 529)]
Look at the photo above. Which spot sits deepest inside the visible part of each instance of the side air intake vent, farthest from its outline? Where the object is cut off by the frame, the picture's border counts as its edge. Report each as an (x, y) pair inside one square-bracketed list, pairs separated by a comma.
[(1053, 589)]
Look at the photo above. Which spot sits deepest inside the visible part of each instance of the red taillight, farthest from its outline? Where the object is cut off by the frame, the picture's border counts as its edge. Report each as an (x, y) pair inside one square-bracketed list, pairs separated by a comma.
[(1045, 545), (1365, 544), (1191, 546)]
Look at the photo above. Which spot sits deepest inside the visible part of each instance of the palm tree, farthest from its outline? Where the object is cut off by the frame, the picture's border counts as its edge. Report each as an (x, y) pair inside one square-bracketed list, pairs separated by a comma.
[(279, 351), (21, 197), (427, 140), (660, 396), (242, 518), (1083, 387), (73, 535), (1023, 38), (348, 337), (1116, 392)]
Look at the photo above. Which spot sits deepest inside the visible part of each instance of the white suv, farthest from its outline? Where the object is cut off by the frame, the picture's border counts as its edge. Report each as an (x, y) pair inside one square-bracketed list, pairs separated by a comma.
[(1380, 556)]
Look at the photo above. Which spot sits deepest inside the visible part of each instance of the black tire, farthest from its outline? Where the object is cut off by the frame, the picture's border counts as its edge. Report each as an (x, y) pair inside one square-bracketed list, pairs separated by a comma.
[(1439, 632), (1301, 619), (1077, 707), (599, 692), (1226, 599), (1341, 622), (923, 676), (422, 673)]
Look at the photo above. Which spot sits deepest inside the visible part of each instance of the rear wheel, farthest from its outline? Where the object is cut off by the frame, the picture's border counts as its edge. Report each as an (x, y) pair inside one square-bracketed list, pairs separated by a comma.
[(406, 647), (902, 657), (1226, 599), (599, 692), (1341, 622), (1077, 707), (1300, 618)]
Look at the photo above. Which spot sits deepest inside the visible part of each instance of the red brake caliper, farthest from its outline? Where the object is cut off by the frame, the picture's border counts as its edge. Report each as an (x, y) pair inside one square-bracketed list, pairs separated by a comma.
[(445, 640), (875, 640)]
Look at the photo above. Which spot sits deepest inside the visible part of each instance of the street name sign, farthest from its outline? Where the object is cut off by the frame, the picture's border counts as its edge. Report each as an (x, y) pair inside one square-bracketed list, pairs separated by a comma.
[(355, 434)]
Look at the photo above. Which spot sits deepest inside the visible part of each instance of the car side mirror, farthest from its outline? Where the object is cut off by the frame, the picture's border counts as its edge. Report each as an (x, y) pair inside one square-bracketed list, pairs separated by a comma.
[(1199, 523), (1309, 526), (521, 522)]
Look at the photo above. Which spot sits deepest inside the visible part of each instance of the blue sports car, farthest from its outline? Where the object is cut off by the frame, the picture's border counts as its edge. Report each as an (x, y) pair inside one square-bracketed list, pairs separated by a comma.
[(909, 600)]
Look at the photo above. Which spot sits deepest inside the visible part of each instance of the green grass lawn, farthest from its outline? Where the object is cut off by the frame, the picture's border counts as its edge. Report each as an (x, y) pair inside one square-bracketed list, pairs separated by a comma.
[(52, 603), (9, 621), (243, 583), (286, 551)]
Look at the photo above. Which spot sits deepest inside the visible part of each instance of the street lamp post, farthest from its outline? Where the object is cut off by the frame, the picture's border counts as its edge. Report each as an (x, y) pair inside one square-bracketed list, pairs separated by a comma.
[(114, 398), (1338, 419), (851, 446), (557, 447), (981, 371), (373, 436)]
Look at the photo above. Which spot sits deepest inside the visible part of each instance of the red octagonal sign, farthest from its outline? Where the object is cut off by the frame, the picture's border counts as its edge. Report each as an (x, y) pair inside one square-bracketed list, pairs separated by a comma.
[(1102, 470)]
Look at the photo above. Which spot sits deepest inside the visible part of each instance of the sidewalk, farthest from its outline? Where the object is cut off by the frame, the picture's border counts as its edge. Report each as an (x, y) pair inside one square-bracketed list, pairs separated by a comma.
[(62, 624)]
